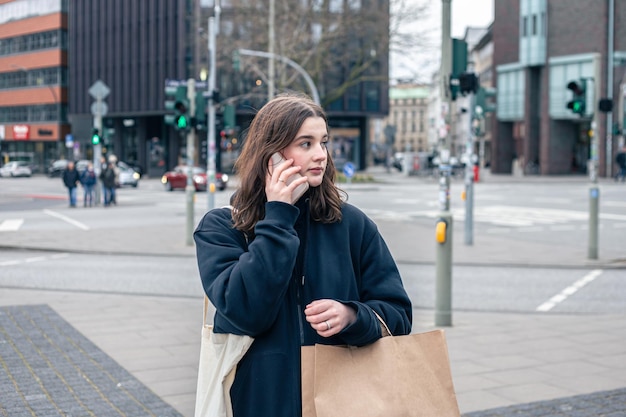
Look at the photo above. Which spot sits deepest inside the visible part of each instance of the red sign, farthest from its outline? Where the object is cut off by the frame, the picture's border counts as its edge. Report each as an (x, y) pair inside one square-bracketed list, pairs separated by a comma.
[(21, 132)]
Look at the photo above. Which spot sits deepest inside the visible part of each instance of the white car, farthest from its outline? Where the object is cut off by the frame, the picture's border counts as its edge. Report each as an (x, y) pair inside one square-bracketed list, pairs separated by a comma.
[(16, 169), (127, 175)]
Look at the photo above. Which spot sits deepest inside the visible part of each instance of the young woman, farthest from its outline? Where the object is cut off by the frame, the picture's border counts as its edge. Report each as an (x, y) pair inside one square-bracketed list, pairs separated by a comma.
[(292, 271)]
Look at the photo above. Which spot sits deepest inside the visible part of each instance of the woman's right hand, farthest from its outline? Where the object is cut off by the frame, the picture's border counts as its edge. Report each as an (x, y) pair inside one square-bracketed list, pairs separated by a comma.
[(276, 188)]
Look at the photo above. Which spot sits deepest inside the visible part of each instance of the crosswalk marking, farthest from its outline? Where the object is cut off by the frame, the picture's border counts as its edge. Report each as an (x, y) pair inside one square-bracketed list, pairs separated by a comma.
[(11, 225)]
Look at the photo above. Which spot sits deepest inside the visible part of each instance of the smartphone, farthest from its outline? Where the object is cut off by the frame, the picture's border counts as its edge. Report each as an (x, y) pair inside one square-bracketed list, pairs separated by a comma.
[(278, 159)]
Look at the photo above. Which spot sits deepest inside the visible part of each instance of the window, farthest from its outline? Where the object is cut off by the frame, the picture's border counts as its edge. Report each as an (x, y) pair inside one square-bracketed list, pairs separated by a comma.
[(524, 25), (534, 25)]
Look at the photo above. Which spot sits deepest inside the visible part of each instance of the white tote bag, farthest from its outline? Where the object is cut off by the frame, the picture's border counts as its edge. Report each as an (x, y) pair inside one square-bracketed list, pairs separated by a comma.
[(219, 355)]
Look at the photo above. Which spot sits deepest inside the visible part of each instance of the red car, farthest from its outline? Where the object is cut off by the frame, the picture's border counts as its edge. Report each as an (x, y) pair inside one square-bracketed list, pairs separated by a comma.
[(177, 178)]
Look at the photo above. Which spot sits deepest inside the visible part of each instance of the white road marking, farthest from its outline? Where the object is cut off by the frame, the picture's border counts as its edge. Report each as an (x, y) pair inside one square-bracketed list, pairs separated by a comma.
[(11, 225), (34, 259), (562, 296), (66, 219)]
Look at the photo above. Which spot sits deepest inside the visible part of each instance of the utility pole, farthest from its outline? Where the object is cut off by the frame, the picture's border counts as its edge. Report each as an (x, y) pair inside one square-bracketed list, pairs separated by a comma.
[(594, 191), (469, 174), (191, 133), (443, 299)]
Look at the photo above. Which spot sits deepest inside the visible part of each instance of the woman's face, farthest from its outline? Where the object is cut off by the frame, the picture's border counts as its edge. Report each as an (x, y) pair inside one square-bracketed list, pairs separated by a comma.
[(308, 150)]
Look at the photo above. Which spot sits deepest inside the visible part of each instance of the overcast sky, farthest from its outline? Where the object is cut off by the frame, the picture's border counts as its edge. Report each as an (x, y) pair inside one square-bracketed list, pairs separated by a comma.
[(465, 13)]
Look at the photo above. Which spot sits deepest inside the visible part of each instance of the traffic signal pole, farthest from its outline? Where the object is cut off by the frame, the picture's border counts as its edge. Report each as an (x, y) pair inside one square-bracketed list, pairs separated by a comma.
[(211, 115), (469, 175), (97, 151), (443, 232), (190, 189), (594, 191)]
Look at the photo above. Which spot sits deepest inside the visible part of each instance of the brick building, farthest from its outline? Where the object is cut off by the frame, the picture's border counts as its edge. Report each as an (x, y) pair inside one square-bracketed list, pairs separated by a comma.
[(33, 81), (539, 47)]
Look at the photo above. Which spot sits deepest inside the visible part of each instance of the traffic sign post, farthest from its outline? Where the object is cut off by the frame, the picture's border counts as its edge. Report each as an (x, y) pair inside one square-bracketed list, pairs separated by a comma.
[(99, 108)]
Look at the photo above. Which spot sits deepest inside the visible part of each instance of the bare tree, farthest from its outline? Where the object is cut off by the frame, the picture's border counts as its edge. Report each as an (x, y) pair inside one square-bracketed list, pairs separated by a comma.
[(340, 43)]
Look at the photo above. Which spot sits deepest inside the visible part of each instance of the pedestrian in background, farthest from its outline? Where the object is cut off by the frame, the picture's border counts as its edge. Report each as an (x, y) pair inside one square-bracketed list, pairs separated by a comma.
[(103, 166), (113, 160), (292, 270), (88, 180), (620, 160), (71, 179), (107, 176)]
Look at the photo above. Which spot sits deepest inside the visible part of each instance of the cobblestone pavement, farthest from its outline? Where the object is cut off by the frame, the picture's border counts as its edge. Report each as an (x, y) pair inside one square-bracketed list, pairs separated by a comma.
[(49, 369)]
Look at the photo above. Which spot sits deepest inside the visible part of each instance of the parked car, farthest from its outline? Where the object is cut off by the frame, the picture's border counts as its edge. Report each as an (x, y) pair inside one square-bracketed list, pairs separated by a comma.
[(57, 167), (16, 169), (177, 179), (135, 166), (127, 175)]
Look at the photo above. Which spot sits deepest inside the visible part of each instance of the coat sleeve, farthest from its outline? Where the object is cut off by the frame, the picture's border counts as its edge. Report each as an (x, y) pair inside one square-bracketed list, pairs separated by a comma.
[(380, 289), (246, 282)]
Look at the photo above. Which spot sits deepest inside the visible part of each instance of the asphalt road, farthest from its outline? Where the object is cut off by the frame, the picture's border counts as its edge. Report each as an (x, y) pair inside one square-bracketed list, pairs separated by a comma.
[(550, 213)]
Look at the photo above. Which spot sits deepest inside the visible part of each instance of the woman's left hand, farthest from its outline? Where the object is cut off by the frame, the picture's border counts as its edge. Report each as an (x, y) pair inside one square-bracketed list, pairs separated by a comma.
[(329, 317)]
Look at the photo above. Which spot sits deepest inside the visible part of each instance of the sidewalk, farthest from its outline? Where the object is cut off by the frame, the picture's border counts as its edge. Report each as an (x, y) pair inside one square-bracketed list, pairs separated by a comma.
[(71, 353)]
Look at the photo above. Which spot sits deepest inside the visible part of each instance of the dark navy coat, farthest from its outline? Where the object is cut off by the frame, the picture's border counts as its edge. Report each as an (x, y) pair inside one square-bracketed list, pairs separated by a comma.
[(261, 289)]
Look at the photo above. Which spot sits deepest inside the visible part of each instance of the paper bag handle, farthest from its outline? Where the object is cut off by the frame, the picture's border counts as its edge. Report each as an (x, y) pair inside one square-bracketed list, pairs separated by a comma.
[(383, 326)]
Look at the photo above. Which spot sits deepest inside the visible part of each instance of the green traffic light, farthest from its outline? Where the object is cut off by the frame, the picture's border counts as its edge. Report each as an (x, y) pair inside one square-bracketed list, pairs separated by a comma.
[(181, 123), (577, 106), (95, 140)]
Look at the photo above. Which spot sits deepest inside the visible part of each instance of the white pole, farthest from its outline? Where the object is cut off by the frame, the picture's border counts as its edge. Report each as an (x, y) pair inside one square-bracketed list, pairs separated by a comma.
[(211, 128), (271, 72)]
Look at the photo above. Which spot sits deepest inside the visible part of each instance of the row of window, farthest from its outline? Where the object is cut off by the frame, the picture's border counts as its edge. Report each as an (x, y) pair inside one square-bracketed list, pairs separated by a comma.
[(31, 114), (534, 25), (24, 9), (34, 42), (409, 101), (33, 78)]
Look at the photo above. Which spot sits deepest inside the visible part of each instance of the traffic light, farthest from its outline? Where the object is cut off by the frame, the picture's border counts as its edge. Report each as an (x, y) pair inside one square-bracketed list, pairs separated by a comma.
[(578, 104), (176, 100), (459, 66), (484, 97), (95, 136), (181, 119), (200, 108), (605, 105), (468, 83)]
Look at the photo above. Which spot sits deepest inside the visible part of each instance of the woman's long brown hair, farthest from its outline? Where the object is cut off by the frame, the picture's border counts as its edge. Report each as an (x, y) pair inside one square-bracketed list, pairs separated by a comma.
[(273, 128)]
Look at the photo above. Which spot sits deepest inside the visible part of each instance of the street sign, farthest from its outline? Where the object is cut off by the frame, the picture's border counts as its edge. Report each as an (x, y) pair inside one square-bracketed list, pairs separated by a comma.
[(69, 141), (99, 108), (348, 169), (99, 90)]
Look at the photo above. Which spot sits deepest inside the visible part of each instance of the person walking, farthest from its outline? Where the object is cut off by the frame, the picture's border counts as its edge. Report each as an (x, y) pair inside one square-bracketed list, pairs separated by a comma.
[(107, 176), (88, 180), (71, 179), (620, 160), (291, 271)]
